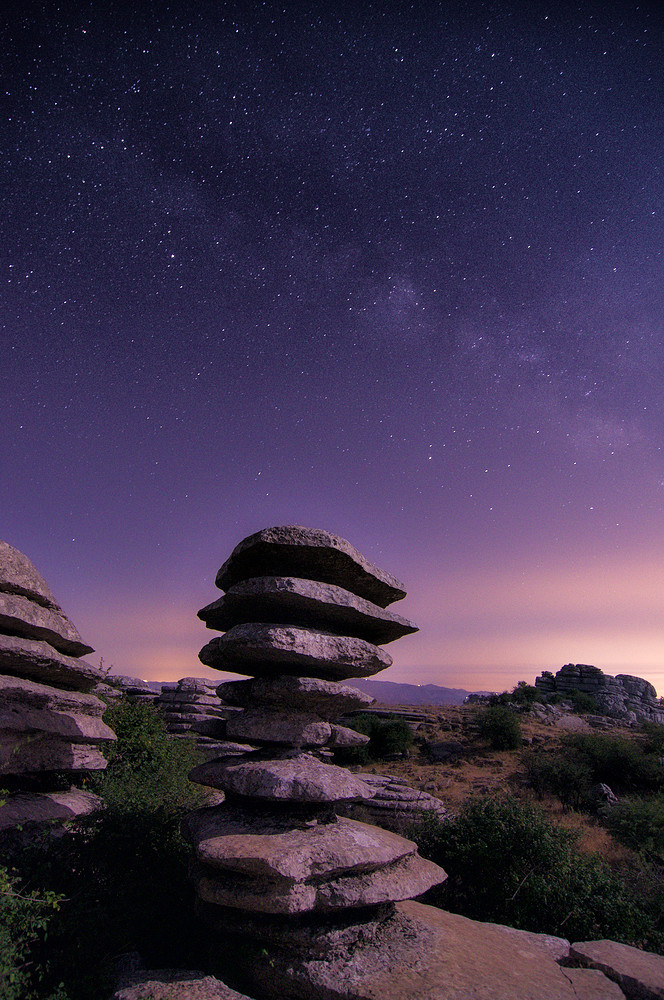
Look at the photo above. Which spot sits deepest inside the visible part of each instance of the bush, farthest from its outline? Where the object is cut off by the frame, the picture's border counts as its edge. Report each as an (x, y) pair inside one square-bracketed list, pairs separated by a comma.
[(500, 726), (582, 702), (508, 864), (618, 761), (387, 738), (639, 823), (567, 776), (654, 741), (123, 872), (24, 920), (523, 694)]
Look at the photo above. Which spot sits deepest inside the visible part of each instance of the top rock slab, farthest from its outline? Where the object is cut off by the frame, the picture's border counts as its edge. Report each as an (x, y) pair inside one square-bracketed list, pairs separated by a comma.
[(313, 554), (19, 576)]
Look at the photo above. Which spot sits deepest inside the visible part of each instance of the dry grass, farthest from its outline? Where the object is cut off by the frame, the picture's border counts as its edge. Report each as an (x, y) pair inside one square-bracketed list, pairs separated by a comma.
[(479, 770)]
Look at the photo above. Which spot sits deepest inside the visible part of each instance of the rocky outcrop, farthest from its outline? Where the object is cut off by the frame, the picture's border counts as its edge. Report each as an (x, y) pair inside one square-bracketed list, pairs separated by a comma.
[(630, 699), (639, 974), (49, 720), (394, 805), (276, 852)]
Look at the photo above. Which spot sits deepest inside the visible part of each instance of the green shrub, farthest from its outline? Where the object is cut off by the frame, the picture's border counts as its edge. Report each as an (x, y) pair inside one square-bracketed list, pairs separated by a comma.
[(500, 726), (566, 775), (24, 920), (654, 733), (507, 863), (523, 694), (618, 761), (639, 823), (123, 872), (387, 738), (582, 702)]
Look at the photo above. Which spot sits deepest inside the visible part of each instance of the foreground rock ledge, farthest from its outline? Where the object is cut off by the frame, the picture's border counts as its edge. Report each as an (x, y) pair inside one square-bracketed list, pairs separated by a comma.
[(639, 973), (423, 953)]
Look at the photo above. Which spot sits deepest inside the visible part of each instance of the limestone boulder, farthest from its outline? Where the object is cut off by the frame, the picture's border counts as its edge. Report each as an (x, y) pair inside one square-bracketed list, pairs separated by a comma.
[(403, 879), (24, 617), (285, 600), (278, 726), (329, 699), (28, 808), (315, 852), (311, 554), (262, 649), (44, 752), (21, 694), (19, 576), (39, 661), (640, 974), (300, 778)]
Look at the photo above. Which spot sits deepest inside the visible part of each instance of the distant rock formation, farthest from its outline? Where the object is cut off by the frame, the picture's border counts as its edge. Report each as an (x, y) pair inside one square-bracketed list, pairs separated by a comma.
[(49, 722), (630, 699), (192, 710)]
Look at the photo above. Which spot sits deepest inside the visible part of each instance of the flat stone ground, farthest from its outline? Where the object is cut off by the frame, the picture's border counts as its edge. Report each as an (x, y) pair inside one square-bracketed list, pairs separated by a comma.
[(434, 955)]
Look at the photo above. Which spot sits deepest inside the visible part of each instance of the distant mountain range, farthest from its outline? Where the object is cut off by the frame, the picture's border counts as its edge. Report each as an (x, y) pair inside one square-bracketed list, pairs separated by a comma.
[(391, 693)]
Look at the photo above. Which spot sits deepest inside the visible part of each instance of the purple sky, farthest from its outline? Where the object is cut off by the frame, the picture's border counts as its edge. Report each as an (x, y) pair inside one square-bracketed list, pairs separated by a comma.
[(394, 273)]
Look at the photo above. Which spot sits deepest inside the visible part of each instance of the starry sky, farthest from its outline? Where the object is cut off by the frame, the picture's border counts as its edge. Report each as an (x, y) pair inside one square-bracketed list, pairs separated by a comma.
[(393, 270)]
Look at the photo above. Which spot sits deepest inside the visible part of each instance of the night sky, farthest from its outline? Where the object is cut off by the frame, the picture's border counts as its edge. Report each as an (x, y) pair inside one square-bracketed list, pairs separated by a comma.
[(393, 270)]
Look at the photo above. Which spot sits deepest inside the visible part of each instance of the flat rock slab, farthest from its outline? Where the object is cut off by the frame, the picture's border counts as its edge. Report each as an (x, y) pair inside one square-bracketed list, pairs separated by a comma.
[(311, 554), (44, 752), (279, 726), (39, 661), (403, 879), (262, 649), (640, 974), (302, 778), (424, 953), (329, 699), (176, 984), (19, 576), (321, 851), (22, 616), (287, 600), (21, 693), (47, 807)]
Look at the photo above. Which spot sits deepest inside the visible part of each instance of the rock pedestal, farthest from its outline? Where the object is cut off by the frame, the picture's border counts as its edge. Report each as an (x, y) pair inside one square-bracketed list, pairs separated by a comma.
[(303, 612), (49, 722)]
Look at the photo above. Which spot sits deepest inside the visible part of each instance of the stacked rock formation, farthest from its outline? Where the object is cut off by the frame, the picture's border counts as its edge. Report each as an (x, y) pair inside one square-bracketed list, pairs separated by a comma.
[(49, 722), (192, 709), (303, 611), (630, 699)]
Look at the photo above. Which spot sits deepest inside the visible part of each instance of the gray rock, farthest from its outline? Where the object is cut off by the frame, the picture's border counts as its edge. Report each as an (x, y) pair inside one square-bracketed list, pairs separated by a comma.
[(640, 974), (39, 661), (283, 600), (301, 778), (20, 693), (407, 877), (24, 617), (175, 984), (278, 726), (265, 650), (44, 752), (237, 843), (312, 554), (329, 699), (47, 807), (343, 737), (19, 576)]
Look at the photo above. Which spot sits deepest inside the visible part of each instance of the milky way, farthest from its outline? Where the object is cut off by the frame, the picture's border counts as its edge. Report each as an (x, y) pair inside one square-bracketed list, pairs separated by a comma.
[(394, 273)]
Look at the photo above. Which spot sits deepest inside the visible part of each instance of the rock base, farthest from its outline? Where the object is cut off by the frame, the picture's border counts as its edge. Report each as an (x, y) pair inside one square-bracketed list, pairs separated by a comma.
[(423, 952)]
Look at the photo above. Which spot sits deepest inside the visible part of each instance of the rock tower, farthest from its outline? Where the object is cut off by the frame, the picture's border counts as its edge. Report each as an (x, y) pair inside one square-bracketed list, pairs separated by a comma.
[(49, 722), (302, 612)]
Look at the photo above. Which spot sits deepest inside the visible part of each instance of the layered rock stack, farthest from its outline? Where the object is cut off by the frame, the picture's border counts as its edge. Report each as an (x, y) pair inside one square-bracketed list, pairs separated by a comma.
[(49, 722), (624, 697), (303, 611), (192, 709)]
